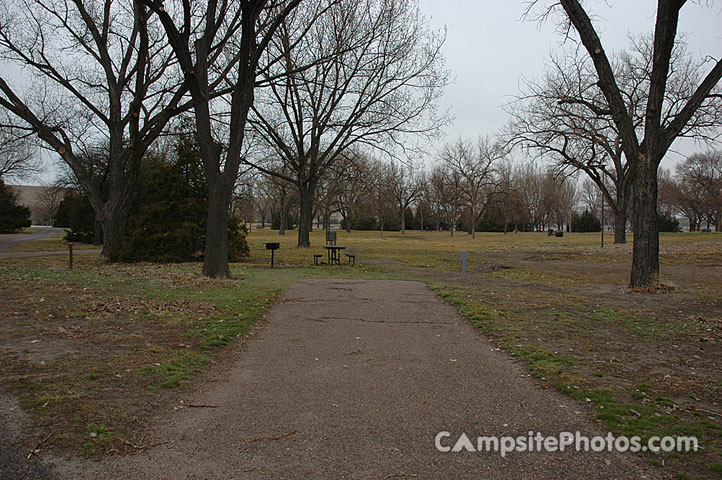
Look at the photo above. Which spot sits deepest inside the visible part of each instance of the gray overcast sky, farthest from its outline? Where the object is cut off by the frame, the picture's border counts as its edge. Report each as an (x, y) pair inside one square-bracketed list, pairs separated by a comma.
[(489, 48)]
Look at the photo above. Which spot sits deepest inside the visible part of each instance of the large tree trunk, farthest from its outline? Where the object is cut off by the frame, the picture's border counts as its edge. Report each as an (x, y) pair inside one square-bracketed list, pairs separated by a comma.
[(112, 213), (347, 220), (306, 195), (620, 214), (97, 233), (645, 253), (112, 216), (283, 220), (620, 226), (215, 256), (113, 226), (473, 222), (327, 220)]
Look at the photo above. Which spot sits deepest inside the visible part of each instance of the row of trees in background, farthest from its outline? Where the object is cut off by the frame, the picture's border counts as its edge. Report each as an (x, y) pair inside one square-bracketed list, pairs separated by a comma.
[(475, 186), (695, 191), (472, 186)]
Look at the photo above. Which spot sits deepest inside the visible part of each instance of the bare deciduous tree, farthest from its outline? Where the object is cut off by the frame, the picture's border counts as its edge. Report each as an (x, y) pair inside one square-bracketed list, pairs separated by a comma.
[(445, 193), (701, 177), (381, 196), (406, 185), (565, 116), (218, 45), (645, 144), (508, 203), (556, 117), (18, 157), (355, 175), (366, 73), (49, 199), (476, 165), (100, 75)]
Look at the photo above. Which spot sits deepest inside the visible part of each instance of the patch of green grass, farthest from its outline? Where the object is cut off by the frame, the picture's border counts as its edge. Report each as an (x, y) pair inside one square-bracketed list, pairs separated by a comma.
[(220, 331), (663, 402), (177, 370), (542, 363), (35, 402), (97, 440), (630, 419), (481, 316), (634, 419)]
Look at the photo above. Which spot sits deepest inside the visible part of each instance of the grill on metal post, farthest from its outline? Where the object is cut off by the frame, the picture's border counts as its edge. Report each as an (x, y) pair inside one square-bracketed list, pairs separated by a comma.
[(272, 246)]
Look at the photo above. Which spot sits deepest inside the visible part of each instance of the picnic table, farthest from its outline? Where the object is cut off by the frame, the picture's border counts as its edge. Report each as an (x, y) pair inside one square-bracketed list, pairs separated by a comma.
[(334, 253)]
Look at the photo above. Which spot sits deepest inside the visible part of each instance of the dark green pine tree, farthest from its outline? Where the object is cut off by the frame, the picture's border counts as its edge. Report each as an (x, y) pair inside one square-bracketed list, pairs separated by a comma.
[(586, 222), (167, 222), (13, 217), (76, 215)]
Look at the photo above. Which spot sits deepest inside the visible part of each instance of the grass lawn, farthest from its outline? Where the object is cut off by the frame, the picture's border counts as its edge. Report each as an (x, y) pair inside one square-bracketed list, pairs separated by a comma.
[(94, 370)]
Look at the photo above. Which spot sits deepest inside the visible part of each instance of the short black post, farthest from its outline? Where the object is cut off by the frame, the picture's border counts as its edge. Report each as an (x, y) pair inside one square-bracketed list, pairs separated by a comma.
[(272, 246), (70, 256)]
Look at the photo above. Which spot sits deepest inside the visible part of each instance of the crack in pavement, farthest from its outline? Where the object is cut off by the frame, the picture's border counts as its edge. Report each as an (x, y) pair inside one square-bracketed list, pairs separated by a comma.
[(391, 322)]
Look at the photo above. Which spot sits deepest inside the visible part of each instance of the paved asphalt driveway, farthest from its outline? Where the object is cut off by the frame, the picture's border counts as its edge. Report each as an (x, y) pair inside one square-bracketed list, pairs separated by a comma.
[(354, 379)]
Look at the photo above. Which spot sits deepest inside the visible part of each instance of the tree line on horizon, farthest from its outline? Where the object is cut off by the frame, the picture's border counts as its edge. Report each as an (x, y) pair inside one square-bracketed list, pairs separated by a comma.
[(370, 194)]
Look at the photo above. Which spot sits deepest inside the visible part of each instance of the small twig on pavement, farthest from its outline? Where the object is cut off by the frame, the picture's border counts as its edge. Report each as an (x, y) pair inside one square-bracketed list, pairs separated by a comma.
[(190, 405), (401, 475), (32, 450), (355, 352), (270, 438)]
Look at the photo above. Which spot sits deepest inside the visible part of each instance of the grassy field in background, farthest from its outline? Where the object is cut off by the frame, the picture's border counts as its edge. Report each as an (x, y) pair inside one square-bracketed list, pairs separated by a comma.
[(134, 336)]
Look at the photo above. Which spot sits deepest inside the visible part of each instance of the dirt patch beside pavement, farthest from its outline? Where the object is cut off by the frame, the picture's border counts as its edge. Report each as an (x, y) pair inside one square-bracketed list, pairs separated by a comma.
[(354, 379)]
